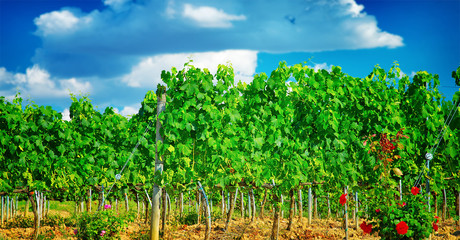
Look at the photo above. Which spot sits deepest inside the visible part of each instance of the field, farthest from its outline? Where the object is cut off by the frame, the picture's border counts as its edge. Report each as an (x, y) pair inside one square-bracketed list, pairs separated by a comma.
[(383, 147)]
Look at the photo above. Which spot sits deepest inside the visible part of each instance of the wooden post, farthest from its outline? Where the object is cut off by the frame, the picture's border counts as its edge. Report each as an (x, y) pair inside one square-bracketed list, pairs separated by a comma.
[(253, 202), (444, 204), (249, 205), (35, 210), (300, 205), (181, 204), (2, 211), (164, 203), (7, 207), (155, 224), (309, 206), (169, 205), (242, 203), (346, 216), (357, 210), (127, 202), (291, 209), (138, 205), (223, 204)]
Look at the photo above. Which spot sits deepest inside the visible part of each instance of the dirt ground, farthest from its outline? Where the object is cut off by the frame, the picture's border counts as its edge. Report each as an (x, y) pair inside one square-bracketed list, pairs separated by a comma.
[(239, 228)]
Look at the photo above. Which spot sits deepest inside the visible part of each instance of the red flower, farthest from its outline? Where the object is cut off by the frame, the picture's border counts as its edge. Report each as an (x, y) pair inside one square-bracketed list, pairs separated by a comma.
[(415, 190), (391, 146), (377, 210), (343, 199), (402, 228), (366, 228), (402, 205), (435, 227), (437, 219)]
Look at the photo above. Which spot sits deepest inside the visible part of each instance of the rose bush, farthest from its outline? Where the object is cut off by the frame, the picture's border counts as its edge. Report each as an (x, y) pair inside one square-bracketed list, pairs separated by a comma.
[(392, 218)]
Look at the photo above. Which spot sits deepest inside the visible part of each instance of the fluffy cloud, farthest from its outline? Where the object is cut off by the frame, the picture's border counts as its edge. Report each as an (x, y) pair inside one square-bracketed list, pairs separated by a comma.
[(128, 43), (353, 8), (59, 22), (66, 114), (210, 17), (324, 66), (128, 110), (110, 43), (147, 72), (37, 83)]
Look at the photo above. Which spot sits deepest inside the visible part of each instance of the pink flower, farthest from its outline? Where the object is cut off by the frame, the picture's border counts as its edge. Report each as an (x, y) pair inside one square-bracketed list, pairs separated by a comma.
[(102, 233), (75, 231), (377, 210), (107, 206)]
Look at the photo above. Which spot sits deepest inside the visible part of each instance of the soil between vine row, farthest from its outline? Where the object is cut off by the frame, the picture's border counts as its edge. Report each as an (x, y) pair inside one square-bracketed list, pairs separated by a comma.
[(239, 229)]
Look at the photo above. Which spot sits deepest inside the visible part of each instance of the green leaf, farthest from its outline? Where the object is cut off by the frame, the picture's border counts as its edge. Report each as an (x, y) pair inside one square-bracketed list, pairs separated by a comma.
[(258, 142), (171, 148)]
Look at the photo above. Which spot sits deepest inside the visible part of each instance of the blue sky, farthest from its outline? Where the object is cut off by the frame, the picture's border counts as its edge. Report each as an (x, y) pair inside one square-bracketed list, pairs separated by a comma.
[(114, 50)]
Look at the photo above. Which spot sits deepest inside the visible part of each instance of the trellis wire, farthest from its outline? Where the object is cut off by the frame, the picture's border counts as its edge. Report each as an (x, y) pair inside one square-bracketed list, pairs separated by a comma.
[(433, 149), (118, 176)]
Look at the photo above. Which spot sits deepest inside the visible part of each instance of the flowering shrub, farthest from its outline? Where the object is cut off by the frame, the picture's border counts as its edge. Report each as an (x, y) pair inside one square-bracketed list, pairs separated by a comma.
[(101, 225), (402, 228), (395, 219), (343, 199), (398, 221), (367, 228)]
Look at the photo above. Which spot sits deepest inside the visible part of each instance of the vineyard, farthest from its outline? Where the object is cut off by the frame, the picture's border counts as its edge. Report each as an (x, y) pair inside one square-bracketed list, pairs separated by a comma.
[(379, 155)]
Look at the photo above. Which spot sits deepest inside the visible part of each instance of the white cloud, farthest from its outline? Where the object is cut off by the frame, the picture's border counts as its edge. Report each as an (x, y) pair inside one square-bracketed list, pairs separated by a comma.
[(37, 83), (6, 77), (115, 49), (58, 22), (66, 114), (106, 43), (210, 17), (319, 66), (368, 35), (147, 73), (128, 110), (354, 9)]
